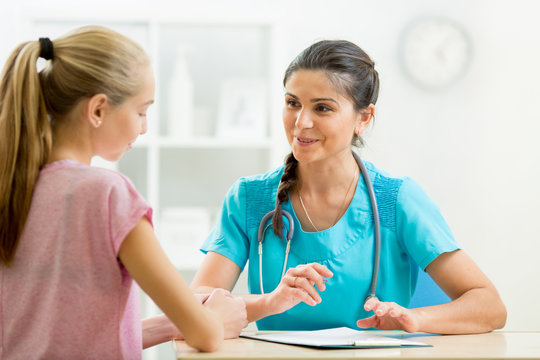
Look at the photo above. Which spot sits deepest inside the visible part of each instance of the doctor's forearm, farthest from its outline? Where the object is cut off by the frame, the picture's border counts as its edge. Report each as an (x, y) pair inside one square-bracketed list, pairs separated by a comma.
[(476, 311)]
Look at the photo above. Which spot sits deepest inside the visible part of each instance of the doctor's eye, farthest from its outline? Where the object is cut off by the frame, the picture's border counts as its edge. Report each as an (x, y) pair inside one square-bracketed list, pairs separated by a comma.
[(323, 108), (292, 103)]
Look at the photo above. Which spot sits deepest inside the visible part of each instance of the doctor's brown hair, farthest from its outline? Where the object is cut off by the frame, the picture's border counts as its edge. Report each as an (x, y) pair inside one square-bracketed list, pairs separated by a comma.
[(88, 61), (352, 73)]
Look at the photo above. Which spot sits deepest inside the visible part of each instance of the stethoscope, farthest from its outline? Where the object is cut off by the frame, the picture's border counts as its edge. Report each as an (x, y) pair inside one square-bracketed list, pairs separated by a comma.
[(290, 232)]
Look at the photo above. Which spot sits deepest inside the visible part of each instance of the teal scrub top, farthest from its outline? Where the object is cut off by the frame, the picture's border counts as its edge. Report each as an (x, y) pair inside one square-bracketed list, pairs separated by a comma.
[(413, 233)]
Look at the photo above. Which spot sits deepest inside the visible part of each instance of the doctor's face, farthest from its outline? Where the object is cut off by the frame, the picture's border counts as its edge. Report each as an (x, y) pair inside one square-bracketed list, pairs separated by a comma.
[(319, 121)]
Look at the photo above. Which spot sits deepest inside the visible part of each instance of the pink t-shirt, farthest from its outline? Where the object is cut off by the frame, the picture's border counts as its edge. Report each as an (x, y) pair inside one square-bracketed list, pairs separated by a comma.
[(66, 295)]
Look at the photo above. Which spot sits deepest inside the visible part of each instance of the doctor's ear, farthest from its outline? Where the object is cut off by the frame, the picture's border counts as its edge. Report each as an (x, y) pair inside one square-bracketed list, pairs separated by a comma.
[(364, 118), (96, 108)]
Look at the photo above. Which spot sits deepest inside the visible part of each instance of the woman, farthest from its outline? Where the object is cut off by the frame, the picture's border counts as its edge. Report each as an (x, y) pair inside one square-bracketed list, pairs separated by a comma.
[(330, 93)]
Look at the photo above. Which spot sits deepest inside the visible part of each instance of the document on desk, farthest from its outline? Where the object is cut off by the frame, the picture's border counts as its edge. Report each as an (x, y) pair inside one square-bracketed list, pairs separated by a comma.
[(342, 337)]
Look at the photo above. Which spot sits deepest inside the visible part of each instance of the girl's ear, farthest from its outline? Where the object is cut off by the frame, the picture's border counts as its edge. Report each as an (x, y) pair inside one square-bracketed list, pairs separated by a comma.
[(95, 109), (364, 119)]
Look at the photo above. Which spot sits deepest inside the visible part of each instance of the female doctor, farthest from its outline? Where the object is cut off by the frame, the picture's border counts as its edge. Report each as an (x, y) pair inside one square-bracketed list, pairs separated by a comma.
[(330, 93)]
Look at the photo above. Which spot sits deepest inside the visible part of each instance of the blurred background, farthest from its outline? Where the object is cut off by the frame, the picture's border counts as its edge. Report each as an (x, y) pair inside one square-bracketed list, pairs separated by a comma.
[(457, 111)]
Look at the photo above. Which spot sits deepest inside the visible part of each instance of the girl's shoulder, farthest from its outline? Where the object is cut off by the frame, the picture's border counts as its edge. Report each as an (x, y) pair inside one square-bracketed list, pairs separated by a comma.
[(75, 174)]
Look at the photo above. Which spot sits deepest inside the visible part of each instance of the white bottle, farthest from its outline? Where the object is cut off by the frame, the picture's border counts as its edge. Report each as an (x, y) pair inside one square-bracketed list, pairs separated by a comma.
[(180, 114)]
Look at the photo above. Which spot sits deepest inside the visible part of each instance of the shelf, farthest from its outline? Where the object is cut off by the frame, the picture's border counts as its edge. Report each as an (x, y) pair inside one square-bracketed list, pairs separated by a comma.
[(213, 142), (218, 94)]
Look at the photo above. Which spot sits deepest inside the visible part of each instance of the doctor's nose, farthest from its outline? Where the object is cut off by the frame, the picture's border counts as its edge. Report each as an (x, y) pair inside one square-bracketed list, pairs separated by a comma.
[(303, 120)]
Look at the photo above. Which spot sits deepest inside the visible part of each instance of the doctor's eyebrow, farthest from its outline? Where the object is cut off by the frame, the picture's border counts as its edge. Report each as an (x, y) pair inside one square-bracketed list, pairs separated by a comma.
[(323, 99), (313, 100)]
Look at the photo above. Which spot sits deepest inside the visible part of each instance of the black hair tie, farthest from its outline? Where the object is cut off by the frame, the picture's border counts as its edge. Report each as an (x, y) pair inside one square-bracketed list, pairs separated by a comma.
[(46, 48)]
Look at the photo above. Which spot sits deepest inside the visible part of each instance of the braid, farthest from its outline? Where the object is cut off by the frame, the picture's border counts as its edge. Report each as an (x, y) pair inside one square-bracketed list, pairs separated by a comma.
[(288, 181)]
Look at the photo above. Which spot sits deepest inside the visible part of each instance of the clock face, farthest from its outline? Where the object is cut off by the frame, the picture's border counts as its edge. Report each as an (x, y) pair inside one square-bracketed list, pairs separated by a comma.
[(435, 52)]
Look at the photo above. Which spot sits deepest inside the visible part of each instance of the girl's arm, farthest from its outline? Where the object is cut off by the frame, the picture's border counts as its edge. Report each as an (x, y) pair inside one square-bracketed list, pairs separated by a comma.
[(297, 285), (158, 329), (202, 326), (475, 307)]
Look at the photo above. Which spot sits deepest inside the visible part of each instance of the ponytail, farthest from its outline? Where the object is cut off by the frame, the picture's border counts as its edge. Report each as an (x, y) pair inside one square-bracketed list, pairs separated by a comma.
[(25, 142), (287, 183), (87, 61)]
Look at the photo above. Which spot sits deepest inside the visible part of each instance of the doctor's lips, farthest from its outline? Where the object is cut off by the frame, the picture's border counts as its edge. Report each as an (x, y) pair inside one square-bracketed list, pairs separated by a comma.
[(305, 141)]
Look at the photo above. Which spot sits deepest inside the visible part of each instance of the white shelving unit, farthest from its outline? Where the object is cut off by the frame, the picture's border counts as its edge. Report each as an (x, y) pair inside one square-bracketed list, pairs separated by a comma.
[(216, 117), (218, 99)]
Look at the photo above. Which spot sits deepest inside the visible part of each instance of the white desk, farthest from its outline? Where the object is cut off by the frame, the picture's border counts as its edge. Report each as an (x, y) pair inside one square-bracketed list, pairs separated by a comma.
[(495, 345)]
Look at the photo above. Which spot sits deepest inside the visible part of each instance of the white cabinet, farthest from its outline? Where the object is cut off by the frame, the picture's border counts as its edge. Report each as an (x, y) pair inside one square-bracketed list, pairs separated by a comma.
[(216, 115)]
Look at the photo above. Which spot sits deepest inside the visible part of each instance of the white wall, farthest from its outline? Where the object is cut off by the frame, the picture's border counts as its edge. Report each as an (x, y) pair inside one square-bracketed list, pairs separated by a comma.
[(470, 146)]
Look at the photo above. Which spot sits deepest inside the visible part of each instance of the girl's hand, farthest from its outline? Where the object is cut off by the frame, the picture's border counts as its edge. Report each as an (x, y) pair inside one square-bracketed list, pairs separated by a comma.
[(389, 316), (298, 284), (230, 309), (202, 297)]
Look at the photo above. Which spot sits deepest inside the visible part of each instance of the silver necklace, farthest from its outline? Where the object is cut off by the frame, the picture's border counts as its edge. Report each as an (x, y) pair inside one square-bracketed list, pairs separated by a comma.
[(340, 209)]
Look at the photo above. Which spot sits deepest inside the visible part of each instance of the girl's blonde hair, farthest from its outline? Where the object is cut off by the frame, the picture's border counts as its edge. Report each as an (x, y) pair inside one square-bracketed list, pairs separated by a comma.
[(88, 61)]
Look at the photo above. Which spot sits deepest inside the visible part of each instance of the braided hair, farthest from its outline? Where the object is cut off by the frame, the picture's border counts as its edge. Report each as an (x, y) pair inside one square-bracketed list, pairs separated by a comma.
[(352, 72), (287, 183)]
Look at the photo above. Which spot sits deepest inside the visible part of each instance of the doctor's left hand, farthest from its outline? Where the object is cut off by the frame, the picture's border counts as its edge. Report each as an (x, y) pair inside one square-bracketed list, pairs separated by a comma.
[(389, 316), (298, 285)]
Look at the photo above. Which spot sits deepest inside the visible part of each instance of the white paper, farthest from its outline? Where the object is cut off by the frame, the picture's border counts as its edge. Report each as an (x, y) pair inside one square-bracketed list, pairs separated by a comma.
[(337, 337)]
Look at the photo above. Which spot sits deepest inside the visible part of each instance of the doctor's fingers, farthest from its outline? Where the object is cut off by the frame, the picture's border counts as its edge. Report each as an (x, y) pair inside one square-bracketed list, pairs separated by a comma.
[(302, 295), (305, 285), (371, 303), (309, 272), (321, 269), (369, 322), (387, 308)]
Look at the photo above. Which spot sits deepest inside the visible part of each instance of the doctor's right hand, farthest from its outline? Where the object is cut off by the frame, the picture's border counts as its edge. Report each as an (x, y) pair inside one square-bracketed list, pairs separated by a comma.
[(230, 309), (298, 284)]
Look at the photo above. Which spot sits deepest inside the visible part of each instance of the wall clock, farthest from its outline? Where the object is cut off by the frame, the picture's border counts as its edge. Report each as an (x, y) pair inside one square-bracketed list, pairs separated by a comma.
[(435, 52)]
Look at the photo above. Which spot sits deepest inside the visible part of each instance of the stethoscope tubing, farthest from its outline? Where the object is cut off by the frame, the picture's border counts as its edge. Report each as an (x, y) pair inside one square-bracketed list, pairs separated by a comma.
[(290, 232), (376, 227)]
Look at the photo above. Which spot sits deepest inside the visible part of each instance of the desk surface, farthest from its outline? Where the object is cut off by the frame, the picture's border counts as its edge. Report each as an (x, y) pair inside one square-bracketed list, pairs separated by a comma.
[(495, 345)]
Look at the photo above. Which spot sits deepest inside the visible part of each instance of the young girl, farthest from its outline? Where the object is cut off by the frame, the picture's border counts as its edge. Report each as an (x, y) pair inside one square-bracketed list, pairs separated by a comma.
[(73, 237)]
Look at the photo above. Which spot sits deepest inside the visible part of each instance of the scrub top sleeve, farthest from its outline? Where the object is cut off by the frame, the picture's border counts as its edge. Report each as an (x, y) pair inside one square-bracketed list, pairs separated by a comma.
[(229, 237), (421, 226)]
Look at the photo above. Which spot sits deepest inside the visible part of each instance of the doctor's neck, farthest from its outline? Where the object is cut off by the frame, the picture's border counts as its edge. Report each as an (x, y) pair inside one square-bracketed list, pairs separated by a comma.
[(322, 174)]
